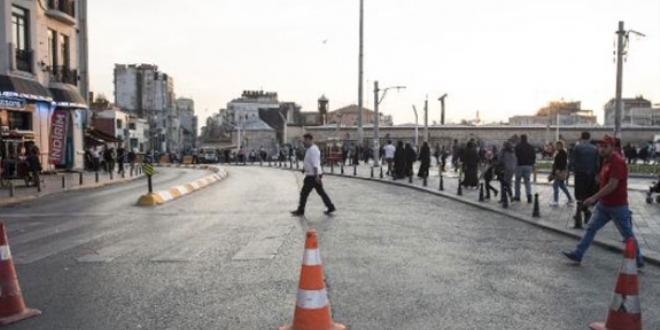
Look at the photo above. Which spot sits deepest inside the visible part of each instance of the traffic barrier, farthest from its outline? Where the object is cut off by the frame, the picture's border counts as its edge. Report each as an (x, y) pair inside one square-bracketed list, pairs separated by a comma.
[(188, 160), (164, 196), (12, 306), (537, 210), (625, 310), (164, 159), (312, 310)]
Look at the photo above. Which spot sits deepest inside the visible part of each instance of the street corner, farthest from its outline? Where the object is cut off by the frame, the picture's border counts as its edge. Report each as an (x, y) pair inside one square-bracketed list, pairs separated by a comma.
[(164, 196)]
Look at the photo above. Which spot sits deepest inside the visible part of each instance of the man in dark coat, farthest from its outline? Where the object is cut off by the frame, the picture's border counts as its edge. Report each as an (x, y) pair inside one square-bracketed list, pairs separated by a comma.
[(470, 159), (411, 158)]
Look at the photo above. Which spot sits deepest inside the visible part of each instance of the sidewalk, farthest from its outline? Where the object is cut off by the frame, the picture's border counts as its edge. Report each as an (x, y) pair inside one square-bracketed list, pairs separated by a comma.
[(646, 218), (52, 184)]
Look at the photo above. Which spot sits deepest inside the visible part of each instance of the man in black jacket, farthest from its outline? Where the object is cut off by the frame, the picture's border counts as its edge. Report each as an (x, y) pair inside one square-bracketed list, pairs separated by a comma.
[(526, 156), (585, 166)]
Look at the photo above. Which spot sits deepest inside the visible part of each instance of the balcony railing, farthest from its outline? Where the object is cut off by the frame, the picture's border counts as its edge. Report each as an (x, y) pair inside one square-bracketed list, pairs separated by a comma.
[(64, 75), (24, 60), (66, 6)]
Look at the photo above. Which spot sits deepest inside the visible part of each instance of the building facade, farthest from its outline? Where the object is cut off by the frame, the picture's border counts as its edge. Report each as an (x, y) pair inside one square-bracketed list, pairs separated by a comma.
[(557, 113), (636, 112), (144, 91), (348, 116), (188, 120), (40, 102)]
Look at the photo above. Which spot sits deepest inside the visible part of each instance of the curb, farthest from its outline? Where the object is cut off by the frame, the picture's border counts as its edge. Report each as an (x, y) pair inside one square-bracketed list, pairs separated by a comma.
[(650, 257), (23, 199), (164, 196)]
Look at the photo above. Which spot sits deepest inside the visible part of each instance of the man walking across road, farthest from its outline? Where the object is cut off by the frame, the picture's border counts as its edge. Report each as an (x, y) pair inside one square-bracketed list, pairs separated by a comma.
[(313, 177), (585, 167), (611, 202), (526, 156), (389, 155)]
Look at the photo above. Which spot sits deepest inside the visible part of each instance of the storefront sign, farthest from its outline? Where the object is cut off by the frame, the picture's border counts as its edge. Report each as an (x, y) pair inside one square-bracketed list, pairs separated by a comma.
[(58, 134), (10, 103)]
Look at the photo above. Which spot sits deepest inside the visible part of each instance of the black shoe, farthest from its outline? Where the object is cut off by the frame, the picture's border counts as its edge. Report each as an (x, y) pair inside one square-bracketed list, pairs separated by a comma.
[(516, 199), (330, 210), (297, 213), (571, 255), (529, 199)]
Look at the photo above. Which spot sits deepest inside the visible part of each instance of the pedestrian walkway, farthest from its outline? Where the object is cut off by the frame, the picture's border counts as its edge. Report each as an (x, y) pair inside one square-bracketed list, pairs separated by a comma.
[(52, 184), (646, 218)]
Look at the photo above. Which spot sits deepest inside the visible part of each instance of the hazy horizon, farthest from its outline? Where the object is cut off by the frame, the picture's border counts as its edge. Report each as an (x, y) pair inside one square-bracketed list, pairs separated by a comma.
[(506, 58)]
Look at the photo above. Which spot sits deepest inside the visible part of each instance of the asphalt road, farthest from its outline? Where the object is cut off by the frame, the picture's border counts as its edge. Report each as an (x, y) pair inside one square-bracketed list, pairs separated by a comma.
[(228, 257)]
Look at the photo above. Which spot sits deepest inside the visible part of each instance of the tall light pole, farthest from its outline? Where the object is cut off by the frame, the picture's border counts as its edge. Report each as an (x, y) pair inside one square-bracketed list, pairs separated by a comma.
[(426, 120), (416, 126), (442, 108), (360, 131), (377, 101), (285, 121), (622, 44)]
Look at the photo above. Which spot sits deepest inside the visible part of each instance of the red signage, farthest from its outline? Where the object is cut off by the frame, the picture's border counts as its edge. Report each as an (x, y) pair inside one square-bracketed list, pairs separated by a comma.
[(58, 132)]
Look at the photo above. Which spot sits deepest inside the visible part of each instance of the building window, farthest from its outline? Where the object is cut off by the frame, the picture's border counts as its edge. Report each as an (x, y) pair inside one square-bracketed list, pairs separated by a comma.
[(20, 120), (131, 126), (52, 48), (19, 22), (64, 47), (119, 123)]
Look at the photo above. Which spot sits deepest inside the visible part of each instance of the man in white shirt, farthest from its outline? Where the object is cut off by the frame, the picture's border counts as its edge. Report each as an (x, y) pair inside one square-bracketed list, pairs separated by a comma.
[(389, 155), (313, 177)]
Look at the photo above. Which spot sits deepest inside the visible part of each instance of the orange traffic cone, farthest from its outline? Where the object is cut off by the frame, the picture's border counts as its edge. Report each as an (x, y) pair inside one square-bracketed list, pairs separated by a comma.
[(312, 306), (625, 312), (12, 307)]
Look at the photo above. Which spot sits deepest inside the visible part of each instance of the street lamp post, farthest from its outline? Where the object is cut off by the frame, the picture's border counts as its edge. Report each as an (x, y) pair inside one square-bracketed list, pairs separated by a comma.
[(416, 125), (377, 101), (442, 108), (360, 131), (622, 44), (426, 120), (284, 140)]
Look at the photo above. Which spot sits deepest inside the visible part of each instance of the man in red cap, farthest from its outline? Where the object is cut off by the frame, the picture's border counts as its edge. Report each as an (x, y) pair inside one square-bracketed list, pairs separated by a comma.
[(611, 201)]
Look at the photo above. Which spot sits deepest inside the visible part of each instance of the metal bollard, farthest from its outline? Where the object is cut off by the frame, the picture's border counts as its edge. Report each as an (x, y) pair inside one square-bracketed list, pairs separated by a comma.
[(342, 168), (38, 183), (332, 167), (442, 182), (97, 176), (297, 164), (505, 198), (354, 170), (534, 173), (425, 182), (63, 182), (537, 209), (481, 192), (410, 179), (372, 172), (381, 172), (112, 176), (80, 179), (123, 174), (459, 192), (12, 190)]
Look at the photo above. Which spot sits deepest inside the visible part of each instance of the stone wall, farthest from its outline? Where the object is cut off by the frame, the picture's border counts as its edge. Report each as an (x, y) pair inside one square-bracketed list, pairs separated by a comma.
[(538, 135)]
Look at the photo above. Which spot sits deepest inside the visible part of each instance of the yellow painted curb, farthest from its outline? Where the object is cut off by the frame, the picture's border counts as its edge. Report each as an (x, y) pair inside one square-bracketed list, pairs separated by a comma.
[(150, 200)]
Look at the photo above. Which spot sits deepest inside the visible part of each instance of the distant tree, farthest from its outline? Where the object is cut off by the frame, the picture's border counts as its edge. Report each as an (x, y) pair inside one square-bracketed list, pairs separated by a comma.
[(100, 103)]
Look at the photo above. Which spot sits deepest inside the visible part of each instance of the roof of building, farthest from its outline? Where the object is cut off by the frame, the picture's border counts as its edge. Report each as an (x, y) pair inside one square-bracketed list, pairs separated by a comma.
[(353, 108)]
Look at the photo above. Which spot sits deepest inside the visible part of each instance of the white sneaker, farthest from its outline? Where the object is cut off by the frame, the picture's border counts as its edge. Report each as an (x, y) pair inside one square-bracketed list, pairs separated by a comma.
[(553, 204), (570, 202)]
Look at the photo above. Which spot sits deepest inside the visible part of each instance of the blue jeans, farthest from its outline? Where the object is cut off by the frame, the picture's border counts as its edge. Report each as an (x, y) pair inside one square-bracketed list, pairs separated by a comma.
[(524, 172), (600, 217), (560, 184)]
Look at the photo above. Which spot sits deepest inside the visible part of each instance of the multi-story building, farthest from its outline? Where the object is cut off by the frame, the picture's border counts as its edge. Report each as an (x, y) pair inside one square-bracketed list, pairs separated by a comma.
[(148, 93), (557, 113), (186, 108), (39, 79), (348, 116), (636, 112)]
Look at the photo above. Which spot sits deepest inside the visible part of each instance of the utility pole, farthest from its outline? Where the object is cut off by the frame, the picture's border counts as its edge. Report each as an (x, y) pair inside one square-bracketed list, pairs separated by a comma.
[(426, 120), (442, 108), (416, 126), (360, 131), (622, 45), (619, 80), (376, 126)]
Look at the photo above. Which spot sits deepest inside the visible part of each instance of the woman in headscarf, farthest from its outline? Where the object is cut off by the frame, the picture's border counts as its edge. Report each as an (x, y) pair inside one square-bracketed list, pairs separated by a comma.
[(411, 158), (399, 162), (506, 165), (471, 166), (425, 159)]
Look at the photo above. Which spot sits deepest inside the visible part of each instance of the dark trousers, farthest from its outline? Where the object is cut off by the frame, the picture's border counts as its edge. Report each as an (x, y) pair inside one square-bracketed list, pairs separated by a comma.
[(310, 184), (585, 185)]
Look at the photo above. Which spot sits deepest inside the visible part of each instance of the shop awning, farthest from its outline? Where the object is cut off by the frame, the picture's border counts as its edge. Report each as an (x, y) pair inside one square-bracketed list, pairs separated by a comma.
[(98, 137), (68, 97), (24, 88)]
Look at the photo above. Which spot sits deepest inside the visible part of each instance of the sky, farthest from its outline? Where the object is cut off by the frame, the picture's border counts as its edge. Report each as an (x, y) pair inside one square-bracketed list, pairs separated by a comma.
[(498, 57)]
